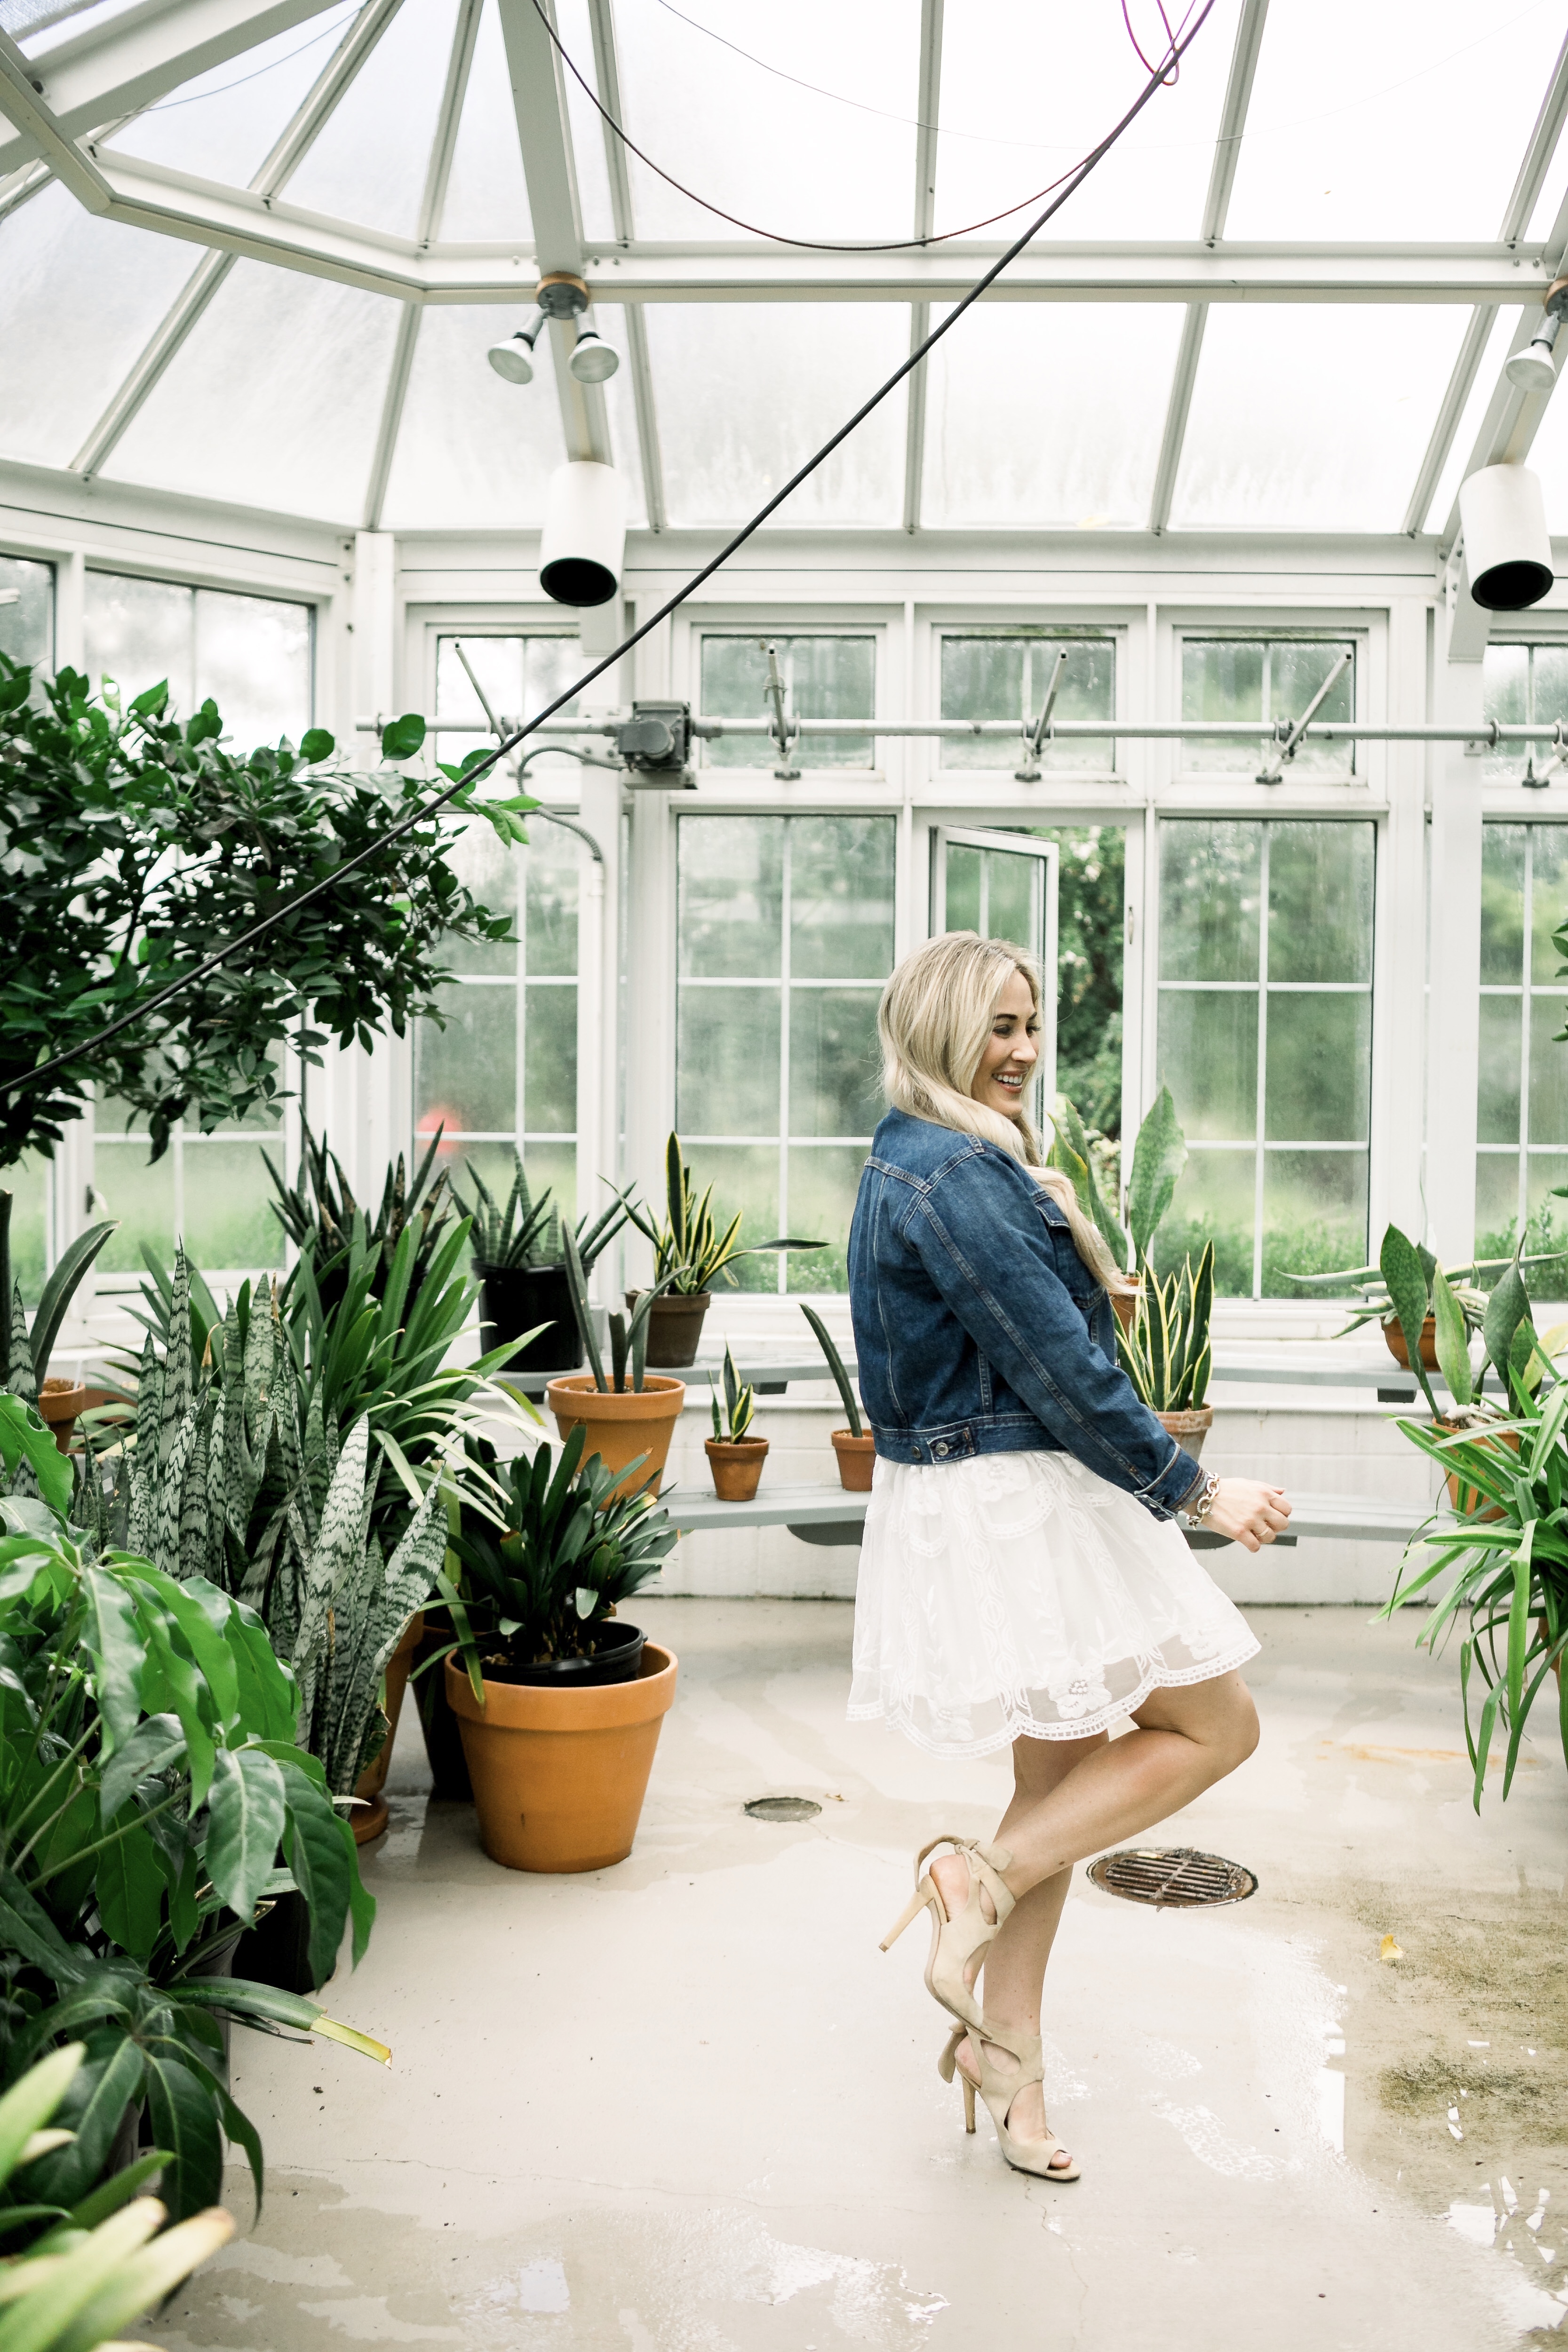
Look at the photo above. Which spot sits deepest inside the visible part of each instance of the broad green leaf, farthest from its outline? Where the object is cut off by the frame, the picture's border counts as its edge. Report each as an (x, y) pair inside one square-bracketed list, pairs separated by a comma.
[(118, 1651), (155, 1744), (315, 745), (245, 1814), (1508, 1309), (129, 1884), (93, 2109), (25, 1436), (184, 2115), (1159, 1156), (1453, 1339), (1406, 1281), (30, 2103), (402, 738), (313, 1847)]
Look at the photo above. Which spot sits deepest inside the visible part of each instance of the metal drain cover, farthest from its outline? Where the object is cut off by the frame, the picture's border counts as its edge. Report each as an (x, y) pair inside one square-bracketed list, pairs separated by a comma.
[(1175, 1876), (783, 1808)]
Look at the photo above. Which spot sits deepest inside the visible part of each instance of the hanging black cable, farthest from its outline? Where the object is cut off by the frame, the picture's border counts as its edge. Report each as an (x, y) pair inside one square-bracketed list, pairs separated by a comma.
[(426, 809)]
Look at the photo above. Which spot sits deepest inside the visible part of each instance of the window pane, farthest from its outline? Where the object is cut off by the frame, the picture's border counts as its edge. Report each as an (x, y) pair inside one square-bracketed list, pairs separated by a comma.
[(1548, 1071), (253, 658), (1505, 692), (1221, 679), (1214, 1203), (141, 1196), (841, 898), (496, 663), (731, 895), (465, 1075), (743, 1177), (1314, 1216), (28, 625), (489, 866), (1321, 901), (1209, 900), (1496, 1103), (833, 1063), (1548, 899), (1013, 899), (228, 1221), (963, 898), (1502, 901), (1319, 1067), (824, 677), (821, 1189), (139, 631), (552, 864), (27, 1183), (993, 677), (1208, 1058), (1297, 669), (550, 1061), (727, 1061), (1497, 1203)]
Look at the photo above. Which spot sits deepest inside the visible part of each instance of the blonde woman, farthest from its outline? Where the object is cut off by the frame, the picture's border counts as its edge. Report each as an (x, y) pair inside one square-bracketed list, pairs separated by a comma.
[(1022, 1581)]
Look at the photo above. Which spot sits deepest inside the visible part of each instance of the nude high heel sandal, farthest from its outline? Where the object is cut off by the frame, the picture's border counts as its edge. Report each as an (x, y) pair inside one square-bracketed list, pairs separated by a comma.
[(999, 2089), (955, 1941)]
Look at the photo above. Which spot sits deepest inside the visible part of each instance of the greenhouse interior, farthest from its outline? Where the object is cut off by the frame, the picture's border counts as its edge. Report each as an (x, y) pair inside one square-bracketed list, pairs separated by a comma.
[(548, 550)]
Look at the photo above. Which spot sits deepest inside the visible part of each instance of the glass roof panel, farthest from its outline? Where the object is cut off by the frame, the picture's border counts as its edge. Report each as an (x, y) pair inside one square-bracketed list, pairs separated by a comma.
[(223, 125), (1406, 120), (745, 136), (80, 296), (587, 124), (1028, 89), (621, 400), (1314, 416), (747, 391), (486, 199), (474, 453), (32, 22), (370, 163), (1026, 424), (1475, 409), (295, 435)]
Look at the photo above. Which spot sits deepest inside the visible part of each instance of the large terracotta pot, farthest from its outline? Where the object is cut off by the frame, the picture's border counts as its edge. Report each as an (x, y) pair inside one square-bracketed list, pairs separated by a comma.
[(60, 1402), (369, 1820), (1189, 1429), (737, 1465), (1393, 1333), (559, 1775), (857, 1460), (517, 1298), (1468, 1501), (621, 1423), (674, 1324)]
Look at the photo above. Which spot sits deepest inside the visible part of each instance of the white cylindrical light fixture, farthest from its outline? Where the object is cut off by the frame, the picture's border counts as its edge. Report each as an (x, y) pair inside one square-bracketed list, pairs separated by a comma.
[(1507, 549), (582, 544)]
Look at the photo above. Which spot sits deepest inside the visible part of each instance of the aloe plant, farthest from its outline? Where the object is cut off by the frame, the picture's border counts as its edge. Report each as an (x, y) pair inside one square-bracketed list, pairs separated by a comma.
[(740, 1405), (526, 1232), (842, 1381), (321, 1209), (1166, 1352), (689, 1248)]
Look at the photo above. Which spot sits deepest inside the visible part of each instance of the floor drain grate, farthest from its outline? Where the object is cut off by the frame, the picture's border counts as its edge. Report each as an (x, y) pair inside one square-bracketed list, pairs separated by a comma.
[(783, 1808), (1173, 1875)]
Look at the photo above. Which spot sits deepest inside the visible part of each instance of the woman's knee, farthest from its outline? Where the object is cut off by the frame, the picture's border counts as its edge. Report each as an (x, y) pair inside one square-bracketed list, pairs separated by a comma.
[(1239, 1731)]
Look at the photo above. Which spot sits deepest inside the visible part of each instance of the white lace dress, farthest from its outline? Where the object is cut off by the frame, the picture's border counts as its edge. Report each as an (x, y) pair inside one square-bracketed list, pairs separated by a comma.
[(1022, 1595)]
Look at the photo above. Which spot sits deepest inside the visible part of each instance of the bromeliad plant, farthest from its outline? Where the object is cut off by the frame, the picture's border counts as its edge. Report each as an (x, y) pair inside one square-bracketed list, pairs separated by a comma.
[(1508, 1557), (572, 1547), (689, 1248), (1165, 1351)]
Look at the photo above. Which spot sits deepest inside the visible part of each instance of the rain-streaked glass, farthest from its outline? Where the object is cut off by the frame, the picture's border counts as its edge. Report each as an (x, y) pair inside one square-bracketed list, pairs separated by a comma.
[(1314, 1216), (142, 1197), (1208, 1058), (549, 1060), (1210, 881), (835, 1067), (486, 197), (228, 1221), (964, 887), (1548, 900), (1213, 1202), (731, 904), (253, 658), (488, 868), (988, 675), (552, 864), (1236, 678), (27, 619), (1548, 1072), (727, 1061), (1318, 1066), (822, 1188), (824, 677), (745, 1178), (28, 1180), (841, 897), (1503, 851), (140, 631), (1497, 1203), (1320, 894), (474, 453), (465, 1075), (368, 163), (1498, 1070), (223, 124)]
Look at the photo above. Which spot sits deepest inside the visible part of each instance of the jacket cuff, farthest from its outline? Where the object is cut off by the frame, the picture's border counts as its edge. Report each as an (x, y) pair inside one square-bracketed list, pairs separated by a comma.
[(1170, 1490)]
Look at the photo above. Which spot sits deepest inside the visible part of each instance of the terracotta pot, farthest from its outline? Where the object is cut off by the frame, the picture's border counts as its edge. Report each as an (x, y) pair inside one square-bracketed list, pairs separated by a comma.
[(1393, 1333), (1125, 1310), (737, 1465), (517, 1298), (621, 1422), (857, 1460), (60, 1402), (1463, 1498), (674, 1324), (559, 1775), (1189, 1429), (369, 1820)]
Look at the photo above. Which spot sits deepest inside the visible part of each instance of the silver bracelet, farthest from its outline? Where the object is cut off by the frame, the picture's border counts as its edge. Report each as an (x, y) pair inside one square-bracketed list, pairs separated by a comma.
[(1196, 1512)]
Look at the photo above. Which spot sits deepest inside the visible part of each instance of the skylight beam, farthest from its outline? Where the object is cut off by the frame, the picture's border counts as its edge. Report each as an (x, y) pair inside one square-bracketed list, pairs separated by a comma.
[(607, 74), (929, 113)]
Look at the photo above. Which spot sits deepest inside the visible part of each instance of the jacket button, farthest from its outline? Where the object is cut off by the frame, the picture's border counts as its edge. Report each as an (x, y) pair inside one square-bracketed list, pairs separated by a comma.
[(941, 1447)]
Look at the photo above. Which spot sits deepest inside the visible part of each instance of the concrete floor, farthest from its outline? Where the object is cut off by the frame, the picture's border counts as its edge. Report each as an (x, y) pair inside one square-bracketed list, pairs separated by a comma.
[(685, 2105)]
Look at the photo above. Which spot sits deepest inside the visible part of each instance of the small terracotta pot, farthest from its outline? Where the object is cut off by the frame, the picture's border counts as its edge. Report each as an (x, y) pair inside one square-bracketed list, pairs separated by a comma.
[(1463, 1498), (1393, 1333), (1125, 1310), (674, 1324), (737, 1465), (857, 1460), (60, 1402), (559, 1775), (621, 1422), (369, 1820), (1189, 1429)]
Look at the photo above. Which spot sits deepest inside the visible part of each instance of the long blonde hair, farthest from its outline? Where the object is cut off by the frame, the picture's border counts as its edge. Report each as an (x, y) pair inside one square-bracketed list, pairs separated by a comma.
[(934, 1019)]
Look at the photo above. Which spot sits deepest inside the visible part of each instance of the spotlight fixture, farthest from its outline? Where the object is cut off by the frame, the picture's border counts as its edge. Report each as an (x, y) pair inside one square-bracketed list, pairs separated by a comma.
[(559, 296), (1534, 368), (514, 358), (592, 360)]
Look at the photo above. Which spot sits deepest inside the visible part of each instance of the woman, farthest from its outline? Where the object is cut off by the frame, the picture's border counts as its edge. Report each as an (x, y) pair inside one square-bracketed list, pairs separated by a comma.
[(1022, 1579)]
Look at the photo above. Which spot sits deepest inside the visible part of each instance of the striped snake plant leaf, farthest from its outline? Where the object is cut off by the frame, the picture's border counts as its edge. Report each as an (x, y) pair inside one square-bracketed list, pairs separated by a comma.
[(340, 1541), (176, 1399), (194, 1556), (22, 1380)]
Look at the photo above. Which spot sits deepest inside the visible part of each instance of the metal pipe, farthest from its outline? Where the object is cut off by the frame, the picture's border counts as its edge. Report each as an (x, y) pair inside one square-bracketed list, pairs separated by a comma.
[(1294, 734), (1489, 737), (1034, 736)]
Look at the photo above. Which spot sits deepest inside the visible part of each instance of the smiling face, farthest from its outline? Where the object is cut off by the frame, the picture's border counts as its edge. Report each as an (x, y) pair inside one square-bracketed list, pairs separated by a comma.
[(1007, 1064)]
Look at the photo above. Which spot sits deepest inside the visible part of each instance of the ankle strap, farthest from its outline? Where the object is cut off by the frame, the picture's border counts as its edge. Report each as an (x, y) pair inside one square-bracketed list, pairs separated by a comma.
[(1023, 2047)]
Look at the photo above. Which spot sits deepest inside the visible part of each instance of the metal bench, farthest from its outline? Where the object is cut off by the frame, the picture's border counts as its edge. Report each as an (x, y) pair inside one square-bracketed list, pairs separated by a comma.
[(824, 1513)]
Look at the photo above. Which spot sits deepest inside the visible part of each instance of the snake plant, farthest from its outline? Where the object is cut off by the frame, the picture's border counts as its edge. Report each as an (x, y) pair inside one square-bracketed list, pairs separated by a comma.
[(835, 1365), (322, 1209), (740, 1405), (689, 1248), (1166, 1352)]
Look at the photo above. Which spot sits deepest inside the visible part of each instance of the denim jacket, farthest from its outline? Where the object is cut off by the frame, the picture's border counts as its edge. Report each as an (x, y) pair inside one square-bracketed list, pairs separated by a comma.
[(978, 1327)]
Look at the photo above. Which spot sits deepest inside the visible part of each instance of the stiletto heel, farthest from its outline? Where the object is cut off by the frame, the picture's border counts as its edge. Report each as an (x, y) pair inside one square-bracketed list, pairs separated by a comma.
[(999, 2090), (947, 2065), (955, 1941)]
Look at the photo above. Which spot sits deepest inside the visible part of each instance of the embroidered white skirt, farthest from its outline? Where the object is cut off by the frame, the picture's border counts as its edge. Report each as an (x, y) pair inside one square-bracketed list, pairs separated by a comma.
[(1022, 1594)]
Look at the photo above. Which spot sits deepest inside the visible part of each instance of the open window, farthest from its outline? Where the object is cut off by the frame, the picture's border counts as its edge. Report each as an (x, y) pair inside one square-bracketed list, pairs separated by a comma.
[(1004, 885)]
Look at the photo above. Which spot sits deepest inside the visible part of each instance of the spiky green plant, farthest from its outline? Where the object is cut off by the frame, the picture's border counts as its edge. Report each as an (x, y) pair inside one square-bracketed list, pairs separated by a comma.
[(835, 1365), (321, 1209), (689, 1248), (26, 1348), (1167, 1352), (740, 1404)]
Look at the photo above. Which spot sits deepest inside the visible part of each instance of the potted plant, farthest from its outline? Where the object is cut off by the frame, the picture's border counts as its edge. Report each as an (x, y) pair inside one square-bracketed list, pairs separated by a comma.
[(1165, 1349), (734, 1456), (1159, 1156), (322, 1210), (689, 1251), (560, 1701), (521, 1260), (629, 1420), (1508, 1560), (854, 1446), (1397, 1293), (25, 1350)]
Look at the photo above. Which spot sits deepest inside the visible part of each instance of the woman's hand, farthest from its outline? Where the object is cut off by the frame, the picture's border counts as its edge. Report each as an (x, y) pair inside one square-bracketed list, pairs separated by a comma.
[(1250, 1513)]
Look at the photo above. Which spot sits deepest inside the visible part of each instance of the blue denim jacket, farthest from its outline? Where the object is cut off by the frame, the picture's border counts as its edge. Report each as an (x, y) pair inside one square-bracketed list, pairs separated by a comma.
[(978, 1327)]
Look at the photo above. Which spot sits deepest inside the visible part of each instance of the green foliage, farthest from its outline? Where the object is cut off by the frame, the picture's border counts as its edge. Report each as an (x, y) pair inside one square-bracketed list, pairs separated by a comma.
[(95, 2264), (570, 1551), (740, 1405), (25, 1351), (322, 1210), (1159, 1156), (1091, 936), (1072, 1151), (689, 1248), (526, 1232), (136, 847), (1166, 1353), (841, 1379), (1403, 1288)]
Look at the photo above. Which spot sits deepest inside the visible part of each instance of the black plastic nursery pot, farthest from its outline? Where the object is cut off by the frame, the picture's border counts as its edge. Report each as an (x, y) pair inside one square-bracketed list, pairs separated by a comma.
[(616, 1657), (514, 1300), (277, 1950), (449, 1782)]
